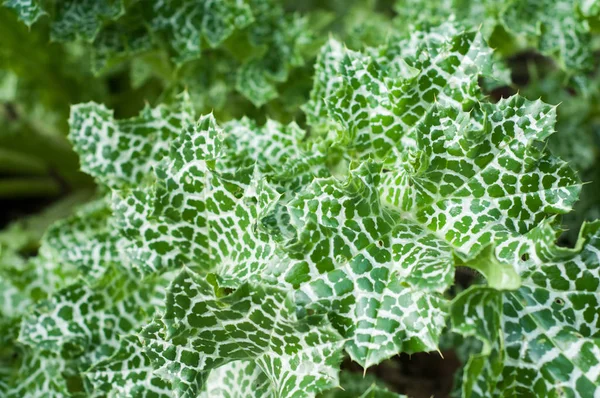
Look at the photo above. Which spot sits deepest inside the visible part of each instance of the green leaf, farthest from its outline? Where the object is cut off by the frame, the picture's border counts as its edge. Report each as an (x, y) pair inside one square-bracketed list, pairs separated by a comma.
[(71, 19), (272, 146), (29, 11), (254, 84), (376, 252), (576, 131), (499, 275), (186, 194), (284, 40), (562, 33), (185, 25), (118, 42), (378, 276), (555, 28), (234, 379), (86, 240), (17, 284), (259, 41), (39, 376), (491, 156), (543, 336), (213, 215), (279, 152), (84, 323), (327, 81), (27, 281), (477, 313), (206, 326), (357, 385), (379, 97), (123, 152), (127, 373), (76, 19)]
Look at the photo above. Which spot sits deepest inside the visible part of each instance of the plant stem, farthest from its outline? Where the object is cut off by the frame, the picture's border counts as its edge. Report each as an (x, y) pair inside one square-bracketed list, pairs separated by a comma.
[(29, 187), (17, 162)]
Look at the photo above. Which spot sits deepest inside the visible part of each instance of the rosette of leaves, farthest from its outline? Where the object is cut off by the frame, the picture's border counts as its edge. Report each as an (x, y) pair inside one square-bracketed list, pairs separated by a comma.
[(448, 156), (214, 196), (369, 107), (284, 249)]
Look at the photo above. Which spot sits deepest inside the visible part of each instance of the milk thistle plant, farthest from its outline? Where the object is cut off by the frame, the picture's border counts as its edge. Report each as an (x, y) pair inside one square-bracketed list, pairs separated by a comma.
[(266, 198)]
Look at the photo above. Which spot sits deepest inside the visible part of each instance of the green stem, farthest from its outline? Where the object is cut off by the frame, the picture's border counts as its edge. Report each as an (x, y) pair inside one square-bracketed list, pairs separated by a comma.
[(20, 163), (29, 187)]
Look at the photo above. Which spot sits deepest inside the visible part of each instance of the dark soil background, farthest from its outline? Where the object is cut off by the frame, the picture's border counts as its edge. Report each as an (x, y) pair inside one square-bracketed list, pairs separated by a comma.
[(421, 375)]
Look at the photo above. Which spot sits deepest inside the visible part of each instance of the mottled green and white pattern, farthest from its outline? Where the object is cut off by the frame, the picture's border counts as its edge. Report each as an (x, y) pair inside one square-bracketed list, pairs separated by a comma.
[(542, 336), (379, 97), (557, 28), (376, 252), (124, 152), (243, 259), (39, 376), (87, 241), (76, 19), (128, 373), (186, 24), (28, 11), (205, 327), (86, 322)]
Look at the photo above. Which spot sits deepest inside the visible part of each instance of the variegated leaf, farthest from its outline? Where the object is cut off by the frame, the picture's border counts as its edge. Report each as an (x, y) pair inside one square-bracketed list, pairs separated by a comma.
[(39, 376), (379, 97), (124, 152), (542, 337), (186, 24), (376, 252), (88, 241), (29, 11), (378, 276), (195, 216), (128, 373), (205, 327), (85, 323), (75, 19), (556, 28)]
